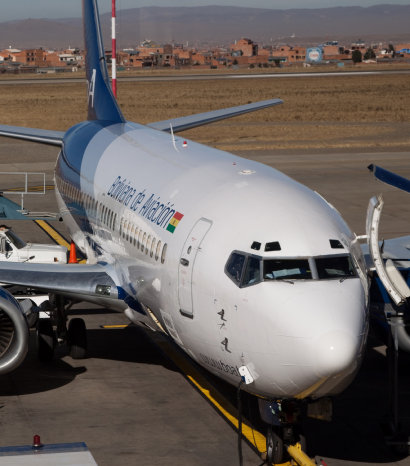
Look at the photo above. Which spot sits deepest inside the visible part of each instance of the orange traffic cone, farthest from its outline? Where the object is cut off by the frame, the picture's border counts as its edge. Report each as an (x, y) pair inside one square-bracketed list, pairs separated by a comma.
[(72, 258)]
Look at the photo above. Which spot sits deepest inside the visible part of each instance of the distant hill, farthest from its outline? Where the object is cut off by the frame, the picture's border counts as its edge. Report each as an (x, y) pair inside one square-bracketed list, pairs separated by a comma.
[(220, 25)]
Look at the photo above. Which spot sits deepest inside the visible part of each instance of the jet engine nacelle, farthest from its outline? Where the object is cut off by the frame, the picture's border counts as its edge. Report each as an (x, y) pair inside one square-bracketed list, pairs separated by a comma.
[(13, 333)]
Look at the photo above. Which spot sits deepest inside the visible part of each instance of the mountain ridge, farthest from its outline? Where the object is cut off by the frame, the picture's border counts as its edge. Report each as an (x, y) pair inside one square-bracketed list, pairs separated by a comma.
[(219, 25)]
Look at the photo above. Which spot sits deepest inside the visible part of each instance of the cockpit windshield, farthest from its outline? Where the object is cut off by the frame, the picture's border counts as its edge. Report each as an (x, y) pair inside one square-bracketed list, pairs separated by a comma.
[(335, 267), (247, 269), (286, 269)]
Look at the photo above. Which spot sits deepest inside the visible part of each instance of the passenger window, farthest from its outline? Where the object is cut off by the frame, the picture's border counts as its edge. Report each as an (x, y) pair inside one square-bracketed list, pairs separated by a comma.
[(152, 247), (148, 245), (164, 252), (234, 267), (286, 269), (252, 272), (157, 251), (335, 267)]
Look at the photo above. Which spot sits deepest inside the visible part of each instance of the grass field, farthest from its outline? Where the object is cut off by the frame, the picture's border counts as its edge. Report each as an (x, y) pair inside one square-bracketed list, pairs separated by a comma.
[(368, 113)]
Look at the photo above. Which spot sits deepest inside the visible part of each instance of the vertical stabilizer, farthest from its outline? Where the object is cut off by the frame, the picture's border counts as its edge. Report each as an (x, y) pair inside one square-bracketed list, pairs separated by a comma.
[(101, 102)]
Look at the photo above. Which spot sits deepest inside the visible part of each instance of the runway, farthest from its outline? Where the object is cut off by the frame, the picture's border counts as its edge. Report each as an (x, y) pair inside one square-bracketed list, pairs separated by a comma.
[(205, 76), (132, 404)]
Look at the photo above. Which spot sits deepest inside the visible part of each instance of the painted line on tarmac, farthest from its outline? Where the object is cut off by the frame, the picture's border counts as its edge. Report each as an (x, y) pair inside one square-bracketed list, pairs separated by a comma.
[(33, 189), (229, 412), (53, 233), (56, 236), (114, 326)]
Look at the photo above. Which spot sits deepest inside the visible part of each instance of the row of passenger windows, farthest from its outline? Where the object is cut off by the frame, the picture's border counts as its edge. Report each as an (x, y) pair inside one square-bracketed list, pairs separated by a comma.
[(127, 230), (245, 269), (148, 244), (96, 209)]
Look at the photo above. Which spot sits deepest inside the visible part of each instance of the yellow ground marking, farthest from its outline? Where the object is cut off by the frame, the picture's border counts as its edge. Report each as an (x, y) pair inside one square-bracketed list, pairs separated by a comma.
[(114, 326), (33, 189), (55, 235), (253, 436), (204, 386), (257, 439)]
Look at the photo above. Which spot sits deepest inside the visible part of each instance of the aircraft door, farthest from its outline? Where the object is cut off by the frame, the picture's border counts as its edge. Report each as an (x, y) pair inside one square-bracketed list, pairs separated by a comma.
[(186, 265)]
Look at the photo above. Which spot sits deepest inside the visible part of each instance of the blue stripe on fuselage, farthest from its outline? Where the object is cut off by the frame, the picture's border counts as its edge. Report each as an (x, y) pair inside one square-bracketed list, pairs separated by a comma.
[(83, 147), (69, 164)]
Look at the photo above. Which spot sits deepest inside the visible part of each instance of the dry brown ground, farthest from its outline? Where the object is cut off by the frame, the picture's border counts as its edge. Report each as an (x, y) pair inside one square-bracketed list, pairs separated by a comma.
[(367, 113)]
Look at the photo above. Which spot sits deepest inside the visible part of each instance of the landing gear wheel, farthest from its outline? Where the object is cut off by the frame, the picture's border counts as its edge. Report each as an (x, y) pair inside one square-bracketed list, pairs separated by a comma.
[(274, 447), (45, 340), (77, 338)]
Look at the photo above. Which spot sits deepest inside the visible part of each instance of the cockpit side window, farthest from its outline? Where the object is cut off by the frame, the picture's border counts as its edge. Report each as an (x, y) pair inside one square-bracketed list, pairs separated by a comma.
[(286, 269), (335, 267), (234, 267), (252, 272)]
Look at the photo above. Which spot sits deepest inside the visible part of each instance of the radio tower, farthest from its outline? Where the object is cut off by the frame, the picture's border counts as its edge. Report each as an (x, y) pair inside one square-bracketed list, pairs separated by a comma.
[(114, 52)]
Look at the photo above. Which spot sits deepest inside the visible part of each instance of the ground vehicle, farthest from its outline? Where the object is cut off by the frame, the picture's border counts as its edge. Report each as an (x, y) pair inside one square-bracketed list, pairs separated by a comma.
[(14, 249)]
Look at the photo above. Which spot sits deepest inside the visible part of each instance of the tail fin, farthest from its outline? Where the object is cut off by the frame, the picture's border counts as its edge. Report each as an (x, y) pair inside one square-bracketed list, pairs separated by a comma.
[(101, 102)]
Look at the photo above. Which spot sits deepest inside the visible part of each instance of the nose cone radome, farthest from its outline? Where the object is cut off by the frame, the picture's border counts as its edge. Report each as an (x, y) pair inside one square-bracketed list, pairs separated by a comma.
[(336, 352)]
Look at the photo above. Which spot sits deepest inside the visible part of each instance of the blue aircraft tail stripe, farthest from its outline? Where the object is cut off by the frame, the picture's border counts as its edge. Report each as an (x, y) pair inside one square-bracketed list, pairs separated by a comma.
[(101, 102)]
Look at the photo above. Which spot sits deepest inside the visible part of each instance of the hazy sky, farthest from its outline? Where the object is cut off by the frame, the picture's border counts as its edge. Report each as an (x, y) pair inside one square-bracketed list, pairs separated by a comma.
[(19, 9)]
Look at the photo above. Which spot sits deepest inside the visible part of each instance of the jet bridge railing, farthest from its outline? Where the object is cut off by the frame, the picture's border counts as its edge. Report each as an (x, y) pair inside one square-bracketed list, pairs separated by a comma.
[(32, 183)]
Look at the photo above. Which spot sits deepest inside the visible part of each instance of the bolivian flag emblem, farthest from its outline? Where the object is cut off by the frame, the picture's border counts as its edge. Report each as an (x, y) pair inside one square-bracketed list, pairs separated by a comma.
[(174, 222)]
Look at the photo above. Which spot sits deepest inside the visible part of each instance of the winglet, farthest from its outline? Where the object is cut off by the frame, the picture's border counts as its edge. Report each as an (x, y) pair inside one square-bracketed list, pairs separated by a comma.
[(101, 102)]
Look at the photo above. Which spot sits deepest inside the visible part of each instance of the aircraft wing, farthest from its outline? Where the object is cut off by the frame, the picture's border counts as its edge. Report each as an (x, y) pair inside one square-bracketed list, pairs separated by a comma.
[(86, 282), (200, 119), (54, 138)]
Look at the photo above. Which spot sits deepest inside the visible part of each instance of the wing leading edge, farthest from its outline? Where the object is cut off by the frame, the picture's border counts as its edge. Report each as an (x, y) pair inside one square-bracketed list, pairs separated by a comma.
[(43, 136), (200, 119)]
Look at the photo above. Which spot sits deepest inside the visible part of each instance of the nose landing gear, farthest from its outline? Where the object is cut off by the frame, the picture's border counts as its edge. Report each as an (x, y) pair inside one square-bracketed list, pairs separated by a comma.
[(284, 443), (284, 437)]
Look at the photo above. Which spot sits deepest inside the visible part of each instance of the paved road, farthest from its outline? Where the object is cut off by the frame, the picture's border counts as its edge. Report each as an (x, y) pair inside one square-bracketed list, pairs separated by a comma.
[(131, 405), (190, 77)]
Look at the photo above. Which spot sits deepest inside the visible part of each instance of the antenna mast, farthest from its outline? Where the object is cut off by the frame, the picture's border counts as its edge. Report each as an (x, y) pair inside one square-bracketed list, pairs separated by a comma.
[(114, 52)]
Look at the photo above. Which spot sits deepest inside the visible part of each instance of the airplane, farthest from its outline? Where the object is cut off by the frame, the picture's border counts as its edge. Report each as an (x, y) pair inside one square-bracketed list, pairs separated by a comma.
[(255, 276)]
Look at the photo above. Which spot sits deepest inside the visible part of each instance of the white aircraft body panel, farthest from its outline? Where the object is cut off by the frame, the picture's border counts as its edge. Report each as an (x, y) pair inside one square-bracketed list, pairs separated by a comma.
[(290, 335)]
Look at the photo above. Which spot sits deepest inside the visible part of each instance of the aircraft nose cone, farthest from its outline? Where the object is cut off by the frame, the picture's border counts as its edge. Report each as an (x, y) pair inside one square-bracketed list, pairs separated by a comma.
[(335, 352)]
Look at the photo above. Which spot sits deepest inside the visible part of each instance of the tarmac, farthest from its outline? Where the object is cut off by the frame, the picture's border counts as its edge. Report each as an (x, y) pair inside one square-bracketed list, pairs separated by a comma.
[(132, 404)]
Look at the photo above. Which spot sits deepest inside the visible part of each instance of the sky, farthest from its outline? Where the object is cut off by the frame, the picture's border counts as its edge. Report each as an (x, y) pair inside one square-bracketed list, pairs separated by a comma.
[(22, 9)]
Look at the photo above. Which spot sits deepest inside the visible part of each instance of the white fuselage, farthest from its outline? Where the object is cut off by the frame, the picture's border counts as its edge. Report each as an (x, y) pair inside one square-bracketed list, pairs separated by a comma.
[(176, 220)]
